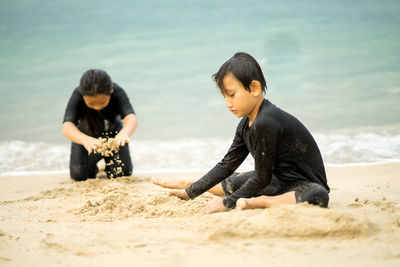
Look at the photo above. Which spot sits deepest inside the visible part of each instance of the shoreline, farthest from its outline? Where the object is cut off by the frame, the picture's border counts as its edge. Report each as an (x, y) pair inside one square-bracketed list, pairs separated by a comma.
[(204, 170), (23, 185), (52, 220)]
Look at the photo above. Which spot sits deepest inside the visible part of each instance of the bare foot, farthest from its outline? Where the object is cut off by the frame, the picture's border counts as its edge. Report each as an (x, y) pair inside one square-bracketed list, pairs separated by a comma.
[(251, 203), (262, 202), (241, 204), (170, 182)]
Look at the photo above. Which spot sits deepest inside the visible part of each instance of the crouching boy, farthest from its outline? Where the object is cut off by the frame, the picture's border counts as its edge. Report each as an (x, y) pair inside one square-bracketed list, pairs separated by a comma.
[(95, 110)]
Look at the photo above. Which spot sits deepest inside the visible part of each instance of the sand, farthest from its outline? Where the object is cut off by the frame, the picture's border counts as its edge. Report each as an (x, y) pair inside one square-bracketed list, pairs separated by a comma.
[(108, 147), (49, 220)]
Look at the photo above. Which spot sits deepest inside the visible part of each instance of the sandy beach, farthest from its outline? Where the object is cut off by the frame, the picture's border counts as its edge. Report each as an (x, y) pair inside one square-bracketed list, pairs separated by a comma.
[(48, 220)]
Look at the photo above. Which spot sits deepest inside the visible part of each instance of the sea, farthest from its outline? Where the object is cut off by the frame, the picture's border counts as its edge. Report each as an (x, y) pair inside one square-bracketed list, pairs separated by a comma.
[(335, 65)]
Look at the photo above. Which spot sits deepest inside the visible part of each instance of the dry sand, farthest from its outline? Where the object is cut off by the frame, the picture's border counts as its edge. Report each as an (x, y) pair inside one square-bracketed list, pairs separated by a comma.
[(49, 220)]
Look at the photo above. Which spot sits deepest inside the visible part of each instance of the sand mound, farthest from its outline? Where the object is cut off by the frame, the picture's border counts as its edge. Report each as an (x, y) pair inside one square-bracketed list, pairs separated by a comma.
[(113, 203), (302, 220), (117, 200), (49, 221), (162, 205)]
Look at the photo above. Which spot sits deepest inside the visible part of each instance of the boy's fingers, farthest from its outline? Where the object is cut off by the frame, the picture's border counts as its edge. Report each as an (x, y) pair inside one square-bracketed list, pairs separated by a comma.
[(92, 148), (204, 206), (174, 193), (205, 210), (124, 141)]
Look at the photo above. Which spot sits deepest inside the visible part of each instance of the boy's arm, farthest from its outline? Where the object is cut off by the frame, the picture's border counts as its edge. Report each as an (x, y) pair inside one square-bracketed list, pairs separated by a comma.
[(71, 118), (264, 155), (130, 125), (236, 154), (72, 132), (127, 113)]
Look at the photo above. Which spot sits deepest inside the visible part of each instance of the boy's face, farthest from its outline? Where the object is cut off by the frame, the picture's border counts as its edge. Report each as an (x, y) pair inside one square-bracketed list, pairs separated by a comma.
[(97, 102), (240, 102)]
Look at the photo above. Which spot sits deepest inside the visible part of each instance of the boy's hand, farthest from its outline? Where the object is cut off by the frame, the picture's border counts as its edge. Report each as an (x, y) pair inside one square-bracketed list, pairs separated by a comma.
[(121, 138), (91, 144), (181, 193), (215, 205)]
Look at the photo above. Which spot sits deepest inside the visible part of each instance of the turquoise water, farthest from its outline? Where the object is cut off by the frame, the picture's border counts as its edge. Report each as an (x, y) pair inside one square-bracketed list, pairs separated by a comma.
[(335, 65)]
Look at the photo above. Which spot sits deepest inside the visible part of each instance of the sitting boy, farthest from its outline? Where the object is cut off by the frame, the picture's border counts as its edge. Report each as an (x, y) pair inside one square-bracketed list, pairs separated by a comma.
[(95, 110), (288, 165)]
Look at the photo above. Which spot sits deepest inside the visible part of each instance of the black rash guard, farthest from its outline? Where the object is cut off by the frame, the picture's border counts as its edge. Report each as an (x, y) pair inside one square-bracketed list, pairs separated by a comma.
[(96, 123), (280, 145)]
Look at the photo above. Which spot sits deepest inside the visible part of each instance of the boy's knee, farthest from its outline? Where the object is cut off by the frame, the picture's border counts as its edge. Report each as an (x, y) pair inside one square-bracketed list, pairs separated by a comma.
[(78, 172), (314, 194), (127, 169)]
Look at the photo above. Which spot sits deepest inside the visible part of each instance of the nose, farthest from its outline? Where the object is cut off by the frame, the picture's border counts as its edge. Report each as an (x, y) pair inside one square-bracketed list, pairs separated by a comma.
[(228, 104)]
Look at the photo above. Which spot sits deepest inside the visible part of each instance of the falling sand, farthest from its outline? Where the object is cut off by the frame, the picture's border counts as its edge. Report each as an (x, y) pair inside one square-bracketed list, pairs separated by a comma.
[(109, 148)]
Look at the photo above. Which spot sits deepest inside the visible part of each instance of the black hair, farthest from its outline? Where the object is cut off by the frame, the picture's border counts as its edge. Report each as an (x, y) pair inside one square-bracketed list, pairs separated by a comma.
[(244, 68), (95, 81)]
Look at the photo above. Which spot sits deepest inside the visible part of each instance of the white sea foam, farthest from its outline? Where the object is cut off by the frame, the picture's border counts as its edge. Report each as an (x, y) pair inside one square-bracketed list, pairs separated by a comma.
[(20, 157), (201, 154), (361, 148)]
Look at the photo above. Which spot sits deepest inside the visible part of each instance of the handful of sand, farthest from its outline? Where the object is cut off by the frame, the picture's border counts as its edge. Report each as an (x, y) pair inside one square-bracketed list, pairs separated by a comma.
[(107, 147), (110, 148)]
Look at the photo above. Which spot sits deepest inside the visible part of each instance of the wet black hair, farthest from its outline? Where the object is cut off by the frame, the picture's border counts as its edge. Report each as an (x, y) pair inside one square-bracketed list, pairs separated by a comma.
[(95, 81), (244, 68)]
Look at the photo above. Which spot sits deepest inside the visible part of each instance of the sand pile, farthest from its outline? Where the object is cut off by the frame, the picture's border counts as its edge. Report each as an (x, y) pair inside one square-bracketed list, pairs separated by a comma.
[(116, 200), (110, 200), (119, 199), (52, 220), (302, 220), (113, 202), (162, 205)]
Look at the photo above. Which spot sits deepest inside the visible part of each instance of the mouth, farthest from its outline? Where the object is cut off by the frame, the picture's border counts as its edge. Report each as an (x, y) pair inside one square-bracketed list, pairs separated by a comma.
[(233, 111)]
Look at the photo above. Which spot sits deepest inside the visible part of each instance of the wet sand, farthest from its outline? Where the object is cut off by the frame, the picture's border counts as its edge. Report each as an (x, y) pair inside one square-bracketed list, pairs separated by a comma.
[(48, 220)]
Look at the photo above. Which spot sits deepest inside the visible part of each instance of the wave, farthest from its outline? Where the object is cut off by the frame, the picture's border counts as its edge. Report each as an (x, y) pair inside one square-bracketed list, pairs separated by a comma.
[(193, 155), (359, 149)]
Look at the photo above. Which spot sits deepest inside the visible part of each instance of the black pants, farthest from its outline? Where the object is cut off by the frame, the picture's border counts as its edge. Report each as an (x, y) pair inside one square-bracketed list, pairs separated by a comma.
[(305, 191), (83, 166)]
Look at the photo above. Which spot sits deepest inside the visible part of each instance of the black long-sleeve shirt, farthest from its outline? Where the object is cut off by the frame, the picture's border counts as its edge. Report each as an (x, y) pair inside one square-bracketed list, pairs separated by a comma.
[(280, 145), (97, 122)]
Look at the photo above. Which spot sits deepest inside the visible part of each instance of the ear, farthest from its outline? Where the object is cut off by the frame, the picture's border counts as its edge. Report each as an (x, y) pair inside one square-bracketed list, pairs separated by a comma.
[(255, 87), (112, 90)]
